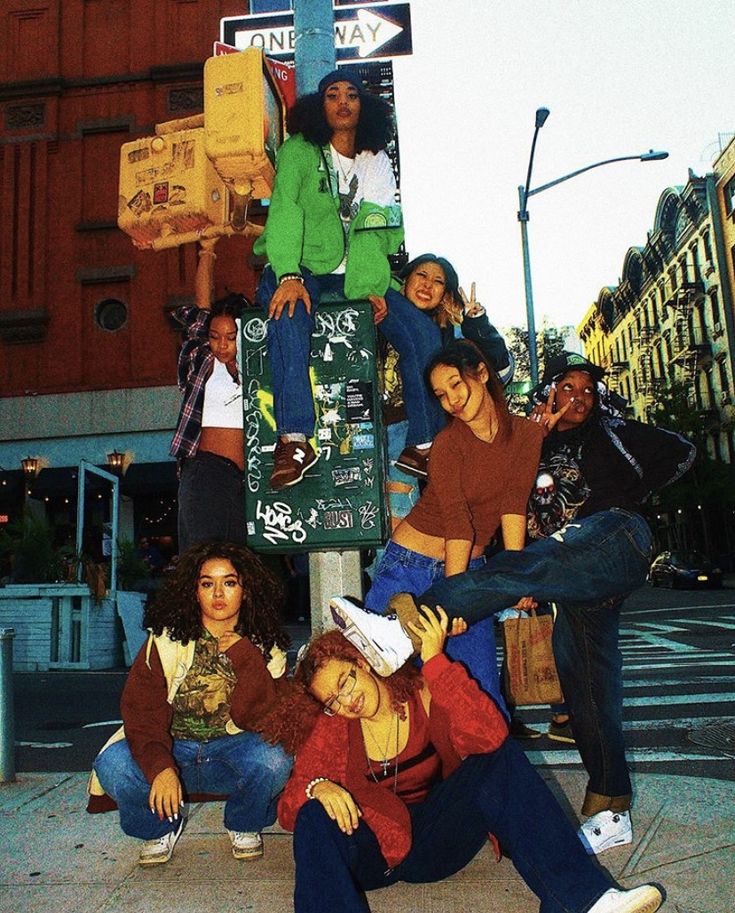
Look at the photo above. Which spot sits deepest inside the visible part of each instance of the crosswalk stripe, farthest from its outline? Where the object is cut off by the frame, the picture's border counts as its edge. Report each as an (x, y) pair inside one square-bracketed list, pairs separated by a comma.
[(719, 698), (639, 755)]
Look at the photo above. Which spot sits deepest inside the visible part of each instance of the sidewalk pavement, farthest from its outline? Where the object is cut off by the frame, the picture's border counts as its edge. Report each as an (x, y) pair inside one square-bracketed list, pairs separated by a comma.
[(56, 857)]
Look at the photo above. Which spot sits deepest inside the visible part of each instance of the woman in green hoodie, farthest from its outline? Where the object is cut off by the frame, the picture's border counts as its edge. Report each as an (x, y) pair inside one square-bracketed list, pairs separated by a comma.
[(332, 224)]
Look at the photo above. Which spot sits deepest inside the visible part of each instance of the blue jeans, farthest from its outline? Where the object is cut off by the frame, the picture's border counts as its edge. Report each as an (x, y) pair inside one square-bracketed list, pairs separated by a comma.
[(588, 568), (498, 793), (211, 501), (414, 335), (403, 570), (250, 772)]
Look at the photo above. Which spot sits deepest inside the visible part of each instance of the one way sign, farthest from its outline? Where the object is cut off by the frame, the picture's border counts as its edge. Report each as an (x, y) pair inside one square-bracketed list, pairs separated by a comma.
[(382, 30)]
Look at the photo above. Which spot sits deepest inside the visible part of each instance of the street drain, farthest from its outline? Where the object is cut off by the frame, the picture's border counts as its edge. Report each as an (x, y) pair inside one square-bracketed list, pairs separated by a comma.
[(717, 734)]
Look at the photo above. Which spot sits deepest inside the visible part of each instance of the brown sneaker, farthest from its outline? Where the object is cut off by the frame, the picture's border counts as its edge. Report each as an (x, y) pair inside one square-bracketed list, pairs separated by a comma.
[(404, 606), (291, 459), (414, 461)]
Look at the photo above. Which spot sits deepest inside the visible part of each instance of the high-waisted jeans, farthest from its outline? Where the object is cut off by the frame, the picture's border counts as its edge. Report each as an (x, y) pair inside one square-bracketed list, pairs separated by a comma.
[(403, 570)]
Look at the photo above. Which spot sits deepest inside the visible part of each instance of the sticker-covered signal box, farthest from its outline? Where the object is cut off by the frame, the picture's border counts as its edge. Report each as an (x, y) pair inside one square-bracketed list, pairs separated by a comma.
[(340, 502)]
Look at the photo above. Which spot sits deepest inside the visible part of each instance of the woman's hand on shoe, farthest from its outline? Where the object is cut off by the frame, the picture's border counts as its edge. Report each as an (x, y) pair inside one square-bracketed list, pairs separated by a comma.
[(338, 804), (433, 629), (165, 797)]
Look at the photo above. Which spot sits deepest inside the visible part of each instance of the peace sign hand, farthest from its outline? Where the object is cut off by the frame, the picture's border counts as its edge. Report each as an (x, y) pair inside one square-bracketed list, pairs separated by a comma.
[(545, 415), (472, 308)]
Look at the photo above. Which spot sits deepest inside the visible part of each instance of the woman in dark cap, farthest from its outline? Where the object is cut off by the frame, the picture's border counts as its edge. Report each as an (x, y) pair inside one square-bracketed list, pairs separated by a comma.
[(332, 223), (592, 548)]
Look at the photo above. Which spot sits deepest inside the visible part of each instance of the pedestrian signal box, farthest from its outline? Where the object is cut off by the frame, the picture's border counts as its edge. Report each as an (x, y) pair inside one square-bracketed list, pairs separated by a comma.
[(340, 502), (168, 187), (197, 175), (244, 120)]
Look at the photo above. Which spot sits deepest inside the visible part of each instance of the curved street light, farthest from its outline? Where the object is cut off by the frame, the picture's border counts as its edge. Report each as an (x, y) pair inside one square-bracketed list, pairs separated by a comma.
[(524, 192)]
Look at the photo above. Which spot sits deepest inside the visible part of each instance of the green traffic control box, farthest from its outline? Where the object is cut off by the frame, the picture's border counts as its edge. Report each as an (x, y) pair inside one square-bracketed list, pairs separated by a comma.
[(340, 503)]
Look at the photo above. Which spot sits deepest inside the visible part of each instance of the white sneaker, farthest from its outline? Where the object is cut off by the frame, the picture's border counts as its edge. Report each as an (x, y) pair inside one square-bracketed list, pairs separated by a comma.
[(246, 844), (156, 852), (380, 638), (645, 899), (605, 830)]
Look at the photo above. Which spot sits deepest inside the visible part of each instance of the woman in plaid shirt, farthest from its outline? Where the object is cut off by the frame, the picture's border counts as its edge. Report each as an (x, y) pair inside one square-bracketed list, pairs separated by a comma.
[(208, 442)]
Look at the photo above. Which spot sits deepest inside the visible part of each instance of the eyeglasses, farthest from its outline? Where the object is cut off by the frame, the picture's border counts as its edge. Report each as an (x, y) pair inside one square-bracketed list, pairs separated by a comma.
[(334, 703)]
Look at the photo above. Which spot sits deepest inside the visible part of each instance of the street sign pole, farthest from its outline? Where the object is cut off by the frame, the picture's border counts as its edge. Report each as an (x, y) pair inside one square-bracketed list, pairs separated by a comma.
[(332, 572)]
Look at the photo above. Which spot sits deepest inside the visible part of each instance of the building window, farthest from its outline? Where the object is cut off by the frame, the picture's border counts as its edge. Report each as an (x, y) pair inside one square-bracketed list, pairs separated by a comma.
[(715, 306), (111, 314), (724, 384), (730, 196), (707, 248)]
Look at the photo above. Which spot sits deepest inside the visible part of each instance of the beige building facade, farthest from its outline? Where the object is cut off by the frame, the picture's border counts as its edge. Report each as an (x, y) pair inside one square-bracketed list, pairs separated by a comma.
[(670, 318)]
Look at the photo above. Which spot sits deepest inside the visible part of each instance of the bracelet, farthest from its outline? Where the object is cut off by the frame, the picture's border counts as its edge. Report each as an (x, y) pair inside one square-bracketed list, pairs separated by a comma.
[(286, 276), (312, 784)]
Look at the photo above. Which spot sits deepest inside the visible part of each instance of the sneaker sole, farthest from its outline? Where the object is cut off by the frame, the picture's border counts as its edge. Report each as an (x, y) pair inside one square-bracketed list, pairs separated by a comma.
[(379, 661), (162, 859), (297, 479), (647, 902), (562, 738), (248, 854), (607, 845), (411, 470)]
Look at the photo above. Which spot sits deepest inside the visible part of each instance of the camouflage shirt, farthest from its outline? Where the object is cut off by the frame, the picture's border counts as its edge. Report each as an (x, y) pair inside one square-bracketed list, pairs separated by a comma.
[(201, 706)]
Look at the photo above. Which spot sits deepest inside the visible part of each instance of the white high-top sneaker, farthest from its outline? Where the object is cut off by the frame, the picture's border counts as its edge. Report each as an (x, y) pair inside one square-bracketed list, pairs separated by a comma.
[(380, 638)]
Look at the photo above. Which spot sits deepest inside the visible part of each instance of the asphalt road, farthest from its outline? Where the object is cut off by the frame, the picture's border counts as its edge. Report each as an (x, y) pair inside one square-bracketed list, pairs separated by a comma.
[(679, 661)]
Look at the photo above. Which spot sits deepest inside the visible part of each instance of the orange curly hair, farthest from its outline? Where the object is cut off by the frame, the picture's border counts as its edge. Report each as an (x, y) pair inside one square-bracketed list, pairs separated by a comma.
[(294, 717)]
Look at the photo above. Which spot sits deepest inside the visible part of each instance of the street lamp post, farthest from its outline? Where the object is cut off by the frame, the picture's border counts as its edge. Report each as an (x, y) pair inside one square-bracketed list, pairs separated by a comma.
[(524, 192)]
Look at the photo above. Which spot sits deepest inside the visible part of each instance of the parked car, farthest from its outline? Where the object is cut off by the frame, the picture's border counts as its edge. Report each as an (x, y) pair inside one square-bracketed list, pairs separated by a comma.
[(689, 570)]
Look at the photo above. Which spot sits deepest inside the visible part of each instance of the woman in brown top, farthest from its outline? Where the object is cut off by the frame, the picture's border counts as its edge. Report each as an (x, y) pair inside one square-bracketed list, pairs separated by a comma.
[(482, 467)]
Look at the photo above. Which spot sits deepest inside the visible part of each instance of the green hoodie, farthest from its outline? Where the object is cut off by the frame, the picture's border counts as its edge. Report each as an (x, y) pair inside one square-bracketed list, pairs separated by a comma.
[(304, 227)]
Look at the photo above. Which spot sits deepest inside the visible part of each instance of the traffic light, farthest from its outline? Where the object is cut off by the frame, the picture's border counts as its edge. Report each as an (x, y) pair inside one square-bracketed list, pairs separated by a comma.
[(197, 175)]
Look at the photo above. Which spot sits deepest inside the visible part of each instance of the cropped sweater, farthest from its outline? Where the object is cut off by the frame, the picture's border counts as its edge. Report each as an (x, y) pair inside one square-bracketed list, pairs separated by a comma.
[(472, 483)]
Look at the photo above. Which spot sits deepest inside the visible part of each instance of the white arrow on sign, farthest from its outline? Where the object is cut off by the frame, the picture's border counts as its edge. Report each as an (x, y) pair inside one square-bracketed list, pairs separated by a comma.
[(368, 32)]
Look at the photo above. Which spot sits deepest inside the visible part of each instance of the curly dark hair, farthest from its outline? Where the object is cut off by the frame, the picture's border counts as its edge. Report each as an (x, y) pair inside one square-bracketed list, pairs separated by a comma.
[(467, 358), (374, 128), (294, 717), (175, 606)]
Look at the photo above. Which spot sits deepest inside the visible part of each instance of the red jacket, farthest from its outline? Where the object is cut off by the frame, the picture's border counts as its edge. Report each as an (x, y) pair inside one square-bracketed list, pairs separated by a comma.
[(463, 721)]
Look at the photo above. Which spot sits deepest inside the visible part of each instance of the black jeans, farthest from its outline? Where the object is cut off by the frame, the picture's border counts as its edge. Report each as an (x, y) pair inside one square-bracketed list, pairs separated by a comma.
[(211, 501)]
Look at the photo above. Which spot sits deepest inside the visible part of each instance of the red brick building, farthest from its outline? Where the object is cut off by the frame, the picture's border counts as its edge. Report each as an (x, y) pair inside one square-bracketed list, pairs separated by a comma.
[(87, 350)]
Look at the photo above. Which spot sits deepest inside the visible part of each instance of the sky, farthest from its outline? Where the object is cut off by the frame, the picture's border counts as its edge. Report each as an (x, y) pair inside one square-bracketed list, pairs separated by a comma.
[(619, 78)]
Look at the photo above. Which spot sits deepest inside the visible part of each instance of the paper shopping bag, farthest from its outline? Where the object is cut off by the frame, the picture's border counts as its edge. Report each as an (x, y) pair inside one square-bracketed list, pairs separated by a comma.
[(530, 670)]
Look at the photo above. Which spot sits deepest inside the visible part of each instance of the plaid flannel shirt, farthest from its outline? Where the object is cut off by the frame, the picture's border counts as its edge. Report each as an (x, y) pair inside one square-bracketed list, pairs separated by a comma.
[(195, 366)]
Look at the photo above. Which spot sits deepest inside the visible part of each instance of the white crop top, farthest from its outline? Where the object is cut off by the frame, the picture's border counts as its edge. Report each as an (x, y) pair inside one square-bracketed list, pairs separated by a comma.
[(222, 399)]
